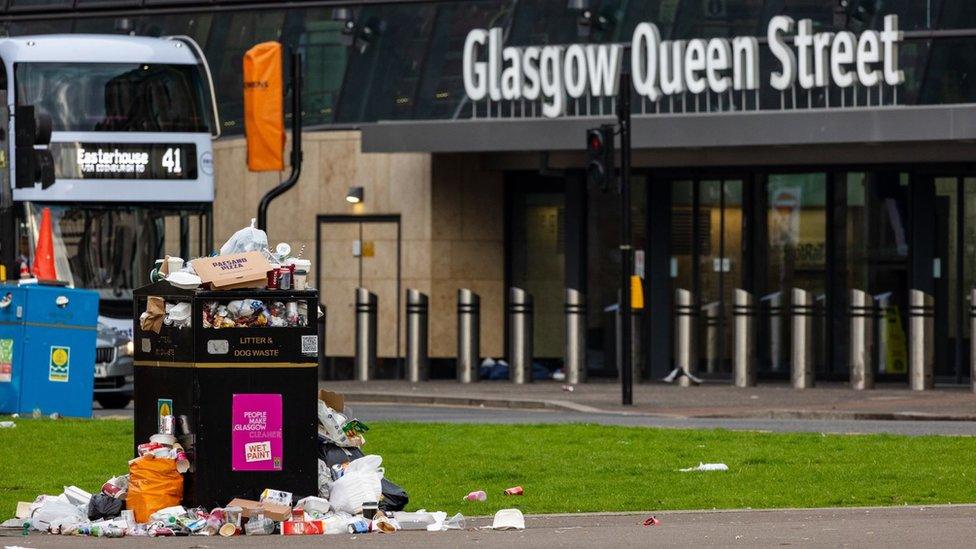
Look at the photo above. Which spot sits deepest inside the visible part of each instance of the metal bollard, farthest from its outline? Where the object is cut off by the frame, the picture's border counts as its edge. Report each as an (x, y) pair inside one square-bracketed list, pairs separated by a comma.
[(921, 352), (883, 314), (713, 321), (685, 350), (575, 336), (365, 362), (636, 361), (801, 352), (774, 306), (972, 338), (418, 361), (468, 334), (862, 340), (744, 359), (520, 336)]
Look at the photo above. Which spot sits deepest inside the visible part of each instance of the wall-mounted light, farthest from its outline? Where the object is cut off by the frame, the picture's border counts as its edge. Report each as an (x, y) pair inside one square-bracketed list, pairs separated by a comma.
[(354, 195)]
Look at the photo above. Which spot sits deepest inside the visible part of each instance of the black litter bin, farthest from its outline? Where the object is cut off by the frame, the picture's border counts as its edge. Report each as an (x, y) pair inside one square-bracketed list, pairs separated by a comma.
[(243, 397)]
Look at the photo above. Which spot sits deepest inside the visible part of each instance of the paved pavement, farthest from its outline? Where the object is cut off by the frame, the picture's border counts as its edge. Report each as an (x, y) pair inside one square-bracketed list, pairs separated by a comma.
[(770, 400), (457, 414), (939, 526)]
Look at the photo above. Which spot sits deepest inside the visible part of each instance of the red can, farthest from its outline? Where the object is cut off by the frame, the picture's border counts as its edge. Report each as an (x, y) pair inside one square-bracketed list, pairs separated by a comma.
[(273, 276), (514, 491)]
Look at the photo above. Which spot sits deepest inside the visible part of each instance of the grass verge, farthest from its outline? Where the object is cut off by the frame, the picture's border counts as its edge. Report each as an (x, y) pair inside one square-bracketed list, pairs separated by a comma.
[(565, 468)]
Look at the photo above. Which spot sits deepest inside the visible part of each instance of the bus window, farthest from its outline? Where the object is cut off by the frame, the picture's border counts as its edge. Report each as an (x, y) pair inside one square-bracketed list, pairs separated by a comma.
[(116, 96)]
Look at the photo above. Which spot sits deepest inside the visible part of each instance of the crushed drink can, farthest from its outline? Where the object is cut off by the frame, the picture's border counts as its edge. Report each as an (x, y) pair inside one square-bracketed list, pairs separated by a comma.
[(514, 491)]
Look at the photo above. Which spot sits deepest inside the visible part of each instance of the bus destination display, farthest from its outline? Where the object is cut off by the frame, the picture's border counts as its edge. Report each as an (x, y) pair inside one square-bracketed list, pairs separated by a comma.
[(125, 160)]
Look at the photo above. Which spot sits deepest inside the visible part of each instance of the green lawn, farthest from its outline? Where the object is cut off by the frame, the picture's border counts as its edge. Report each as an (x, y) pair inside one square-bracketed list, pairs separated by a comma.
[(565, 468)]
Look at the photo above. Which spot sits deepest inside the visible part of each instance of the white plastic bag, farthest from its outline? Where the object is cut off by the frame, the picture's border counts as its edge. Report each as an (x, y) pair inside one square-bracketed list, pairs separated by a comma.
[(248, 239), (355, 488), (50, 510)]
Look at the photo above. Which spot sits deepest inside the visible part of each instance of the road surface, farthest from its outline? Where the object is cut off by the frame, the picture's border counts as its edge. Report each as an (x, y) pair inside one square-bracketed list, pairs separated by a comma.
[(459, 414)]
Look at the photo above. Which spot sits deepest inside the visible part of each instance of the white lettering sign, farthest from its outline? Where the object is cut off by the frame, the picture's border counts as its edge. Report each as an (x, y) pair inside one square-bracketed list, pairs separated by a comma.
[(557, 74)]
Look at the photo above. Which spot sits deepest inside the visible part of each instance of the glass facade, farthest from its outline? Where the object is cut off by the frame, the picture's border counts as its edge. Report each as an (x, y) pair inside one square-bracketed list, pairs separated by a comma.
[(403, 61)]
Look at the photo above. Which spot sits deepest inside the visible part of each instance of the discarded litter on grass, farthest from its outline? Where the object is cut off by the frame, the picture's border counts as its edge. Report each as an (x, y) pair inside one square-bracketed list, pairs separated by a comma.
[(706, 467)]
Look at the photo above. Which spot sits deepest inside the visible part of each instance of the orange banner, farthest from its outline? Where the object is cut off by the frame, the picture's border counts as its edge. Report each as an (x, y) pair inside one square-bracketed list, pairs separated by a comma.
[(264, 115)]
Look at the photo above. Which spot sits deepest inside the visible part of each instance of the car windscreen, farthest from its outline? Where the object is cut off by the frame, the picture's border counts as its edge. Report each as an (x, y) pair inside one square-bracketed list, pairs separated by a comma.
[(116, 97)]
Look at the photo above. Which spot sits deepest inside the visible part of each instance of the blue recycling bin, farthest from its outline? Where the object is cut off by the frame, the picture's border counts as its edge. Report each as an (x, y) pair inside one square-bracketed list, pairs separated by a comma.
[(47, 349)]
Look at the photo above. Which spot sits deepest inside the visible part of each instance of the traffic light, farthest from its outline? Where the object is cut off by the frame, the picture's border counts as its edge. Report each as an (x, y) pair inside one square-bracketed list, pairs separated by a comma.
[(599, 156), (33, 165)]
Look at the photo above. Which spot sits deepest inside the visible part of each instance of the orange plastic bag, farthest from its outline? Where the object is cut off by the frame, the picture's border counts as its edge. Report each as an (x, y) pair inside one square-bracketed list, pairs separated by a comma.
[(154, 484)]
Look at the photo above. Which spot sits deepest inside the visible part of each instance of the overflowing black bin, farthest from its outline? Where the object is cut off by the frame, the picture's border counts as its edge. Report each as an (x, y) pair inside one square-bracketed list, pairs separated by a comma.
[(243, 397)]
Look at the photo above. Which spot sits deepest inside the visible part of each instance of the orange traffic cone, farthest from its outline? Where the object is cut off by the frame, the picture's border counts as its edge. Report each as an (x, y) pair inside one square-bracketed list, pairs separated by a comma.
[(44, 252)]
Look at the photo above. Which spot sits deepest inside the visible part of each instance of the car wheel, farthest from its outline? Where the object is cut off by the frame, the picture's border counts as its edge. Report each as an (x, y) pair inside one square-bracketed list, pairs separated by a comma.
[(114, 402)]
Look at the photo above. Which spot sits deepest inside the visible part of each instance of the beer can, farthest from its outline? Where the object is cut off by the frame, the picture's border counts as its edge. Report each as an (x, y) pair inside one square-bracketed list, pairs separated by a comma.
[(167, 425)]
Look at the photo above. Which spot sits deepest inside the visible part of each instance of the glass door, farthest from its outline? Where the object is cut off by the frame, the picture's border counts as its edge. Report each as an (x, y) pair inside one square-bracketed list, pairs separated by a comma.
[(795, 259), (706, 260), (720, 268)]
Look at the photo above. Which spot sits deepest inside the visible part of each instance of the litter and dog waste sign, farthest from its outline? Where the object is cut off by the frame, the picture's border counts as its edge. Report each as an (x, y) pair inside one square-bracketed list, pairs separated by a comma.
[(60, 363), (256, 439)]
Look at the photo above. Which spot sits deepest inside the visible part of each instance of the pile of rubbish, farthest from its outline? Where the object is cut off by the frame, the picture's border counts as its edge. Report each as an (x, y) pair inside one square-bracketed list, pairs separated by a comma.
[(354, 497), (253, 313), (243, 262)]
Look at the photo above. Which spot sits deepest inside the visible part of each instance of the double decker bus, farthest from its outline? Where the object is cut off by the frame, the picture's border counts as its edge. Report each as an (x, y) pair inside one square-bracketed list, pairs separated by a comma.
[(132, 124)]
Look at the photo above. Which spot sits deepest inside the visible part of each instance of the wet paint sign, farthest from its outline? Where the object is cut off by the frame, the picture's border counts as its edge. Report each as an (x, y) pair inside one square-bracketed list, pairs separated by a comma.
[(256, 437), (60, 364), (6, 360)]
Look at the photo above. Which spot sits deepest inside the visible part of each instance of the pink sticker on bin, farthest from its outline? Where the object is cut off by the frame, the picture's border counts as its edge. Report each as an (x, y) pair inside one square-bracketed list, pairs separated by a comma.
[(256, 442)]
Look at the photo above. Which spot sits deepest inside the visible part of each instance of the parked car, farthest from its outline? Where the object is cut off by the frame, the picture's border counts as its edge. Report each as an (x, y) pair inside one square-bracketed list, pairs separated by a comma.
[(113, 368)]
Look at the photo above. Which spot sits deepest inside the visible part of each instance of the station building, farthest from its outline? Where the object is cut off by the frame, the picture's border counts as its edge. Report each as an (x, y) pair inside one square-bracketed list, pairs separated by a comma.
[(817, 145)]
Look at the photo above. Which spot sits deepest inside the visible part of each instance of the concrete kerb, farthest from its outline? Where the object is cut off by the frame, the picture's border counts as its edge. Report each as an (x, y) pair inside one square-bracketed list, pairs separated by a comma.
[(564, 405)]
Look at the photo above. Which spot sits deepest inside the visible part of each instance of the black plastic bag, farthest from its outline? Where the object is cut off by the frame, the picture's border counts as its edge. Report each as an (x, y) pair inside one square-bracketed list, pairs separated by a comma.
[(395, 498), (104, 507)]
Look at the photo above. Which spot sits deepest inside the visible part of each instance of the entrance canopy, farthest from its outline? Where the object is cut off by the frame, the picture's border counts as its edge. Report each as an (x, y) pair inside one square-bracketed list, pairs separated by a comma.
[(866, 125)]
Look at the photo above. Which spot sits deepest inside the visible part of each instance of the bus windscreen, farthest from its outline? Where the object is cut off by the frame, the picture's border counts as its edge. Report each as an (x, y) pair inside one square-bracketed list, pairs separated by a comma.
[(116, 97)]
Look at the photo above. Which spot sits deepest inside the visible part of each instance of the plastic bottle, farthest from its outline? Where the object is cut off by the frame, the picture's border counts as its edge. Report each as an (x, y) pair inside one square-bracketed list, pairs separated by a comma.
[(259, 526), (478, 495)]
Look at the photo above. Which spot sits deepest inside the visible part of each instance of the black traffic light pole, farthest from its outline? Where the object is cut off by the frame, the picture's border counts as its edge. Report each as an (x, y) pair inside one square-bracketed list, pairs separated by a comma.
[(626, 251)]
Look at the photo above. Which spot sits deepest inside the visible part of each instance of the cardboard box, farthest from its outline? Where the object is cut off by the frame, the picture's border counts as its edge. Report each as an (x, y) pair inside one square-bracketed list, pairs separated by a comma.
[(233, 271), (333, 400), (251, 508)]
